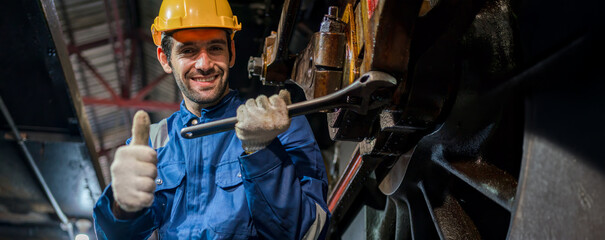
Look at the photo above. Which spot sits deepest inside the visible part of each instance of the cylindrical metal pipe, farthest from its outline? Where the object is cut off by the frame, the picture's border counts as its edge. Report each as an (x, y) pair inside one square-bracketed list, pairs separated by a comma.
[(34, 166)]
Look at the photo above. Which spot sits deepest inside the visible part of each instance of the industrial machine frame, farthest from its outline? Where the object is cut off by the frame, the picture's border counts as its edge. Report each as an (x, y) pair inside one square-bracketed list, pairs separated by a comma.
[(492, 130)]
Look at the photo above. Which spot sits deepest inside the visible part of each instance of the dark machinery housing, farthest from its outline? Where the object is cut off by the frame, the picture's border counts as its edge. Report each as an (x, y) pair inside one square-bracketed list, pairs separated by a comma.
[(493, 130)]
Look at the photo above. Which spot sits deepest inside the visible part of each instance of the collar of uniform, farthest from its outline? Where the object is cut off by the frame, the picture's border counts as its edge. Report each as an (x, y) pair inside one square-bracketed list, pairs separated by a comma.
[(186, 115)]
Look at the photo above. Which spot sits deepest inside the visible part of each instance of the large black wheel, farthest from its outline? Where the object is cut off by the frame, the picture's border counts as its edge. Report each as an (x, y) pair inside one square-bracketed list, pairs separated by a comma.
[(517, 151)]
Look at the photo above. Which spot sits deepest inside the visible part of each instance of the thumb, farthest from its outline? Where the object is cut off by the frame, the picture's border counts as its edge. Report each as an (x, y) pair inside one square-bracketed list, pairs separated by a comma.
[(285, 95), (140, 128)]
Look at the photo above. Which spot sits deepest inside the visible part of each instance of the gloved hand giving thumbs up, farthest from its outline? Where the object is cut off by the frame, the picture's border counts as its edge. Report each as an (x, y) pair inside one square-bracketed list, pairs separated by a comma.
[(134, 170)]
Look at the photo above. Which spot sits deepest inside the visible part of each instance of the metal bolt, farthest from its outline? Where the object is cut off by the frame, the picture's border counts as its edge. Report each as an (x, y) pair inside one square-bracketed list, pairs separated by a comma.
[(333, 11), (255, 66)]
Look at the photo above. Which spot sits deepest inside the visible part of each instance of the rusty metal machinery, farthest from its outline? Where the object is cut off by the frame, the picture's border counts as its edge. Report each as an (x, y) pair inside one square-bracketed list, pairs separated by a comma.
[(274, 66), (320, 65), (494, 127)]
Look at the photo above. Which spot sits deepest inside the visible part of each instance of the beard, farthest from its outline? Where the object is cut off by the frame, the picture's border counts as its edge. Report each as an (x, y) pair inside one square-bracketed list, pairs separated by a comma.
[(214, 95)]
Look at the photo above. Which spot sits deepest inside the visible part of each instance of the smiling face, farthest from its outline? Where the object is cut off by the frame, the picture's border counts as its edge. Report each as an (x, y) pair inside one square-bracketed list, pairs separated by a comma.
[(199, 61)]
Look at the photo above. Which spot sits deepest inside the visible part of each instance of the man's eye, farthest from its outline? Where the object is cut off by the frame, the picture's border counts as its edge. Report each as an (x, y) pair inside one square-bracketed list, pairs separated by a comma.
[(187, 51), (216, 48)]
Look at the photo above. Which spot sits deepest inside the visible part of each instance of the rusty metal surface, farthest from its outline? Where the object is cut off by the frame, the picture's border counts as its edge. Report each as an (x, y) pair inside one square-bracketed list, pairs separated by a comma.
[(326, 82), (351, 67), (466, 178), (465, 97), (468, 73), (387, 43), (453, 222), (350, 126), (493, 182), (318, 69), (276, 60), (386, 38), (329, 50), (450, 220)]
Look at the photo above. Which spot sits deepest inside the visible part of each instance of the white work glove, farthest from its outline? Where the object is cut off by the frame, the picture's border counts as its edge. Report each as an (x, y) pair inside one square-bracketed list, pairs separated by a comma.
[(260, 121), (134, 170)]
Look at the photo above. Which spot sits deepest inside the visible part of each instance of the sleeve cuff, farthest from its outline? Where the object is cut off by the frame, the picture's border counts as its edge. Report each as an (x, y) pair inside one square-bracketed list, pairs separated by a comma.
[(105, 218), (264, 160)]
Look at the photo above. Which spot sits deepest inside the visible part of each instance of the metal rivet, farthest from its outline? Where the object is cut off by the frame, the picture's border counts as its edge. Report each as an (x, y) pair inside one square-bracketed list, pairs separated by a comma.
[(158, 181), (194, 121)]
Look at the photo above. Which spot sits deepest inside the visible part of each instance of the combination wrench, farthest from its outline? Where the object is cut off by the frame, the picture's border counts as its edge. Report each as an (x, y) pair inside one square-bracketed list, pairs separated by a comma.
[(362, 95)]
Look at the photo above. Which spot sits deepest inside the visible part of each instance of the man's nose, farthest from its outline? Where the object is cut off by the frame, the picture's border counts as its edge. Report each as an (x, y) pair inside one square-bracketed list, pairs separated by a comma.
[(203, 62)]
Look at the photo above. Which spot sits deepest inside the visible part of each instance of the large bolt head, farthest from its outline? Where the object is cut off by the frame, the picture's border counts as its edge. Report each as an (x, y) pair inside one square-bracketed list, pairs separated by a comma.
[(255, 66)]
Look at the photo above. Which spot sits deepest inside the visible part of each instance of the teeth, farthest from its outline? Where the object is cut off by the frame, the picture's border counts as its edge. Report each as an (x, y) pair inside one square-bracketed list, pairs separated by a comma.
[(207, 79)]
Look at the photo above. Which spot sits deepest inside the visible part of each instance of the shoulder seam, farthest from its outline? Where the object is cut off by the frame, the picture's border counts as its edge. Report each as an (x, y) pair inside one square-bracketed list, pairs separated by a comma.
[(158, 134)]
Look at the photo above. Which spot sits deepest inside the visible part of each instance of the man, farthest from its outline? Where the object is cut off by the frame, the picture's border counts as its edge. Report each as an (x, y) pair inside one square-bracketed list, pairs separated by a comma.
[(266, 180)]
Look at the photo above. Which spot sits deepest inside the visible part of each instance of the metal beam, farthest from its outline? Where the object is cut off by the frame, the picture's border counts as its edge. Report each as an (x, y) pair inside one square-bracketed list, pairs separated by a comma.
[(134, 104), (73, 49), (143, 92), (137, 33), (101, 79), (54, 25)]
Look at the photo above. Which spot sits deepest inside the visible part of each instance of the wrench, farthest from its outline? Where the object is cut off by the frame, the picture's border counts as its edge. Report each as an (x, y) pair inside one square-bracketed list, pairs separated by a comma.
[(358, 96)]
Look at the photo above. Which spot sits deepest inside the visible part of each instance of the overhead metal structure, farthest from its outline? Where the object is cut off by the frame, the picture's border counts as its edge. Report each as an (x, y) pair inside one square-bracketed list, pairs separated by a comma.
[(114, 60), (50, 173), (107, 50)]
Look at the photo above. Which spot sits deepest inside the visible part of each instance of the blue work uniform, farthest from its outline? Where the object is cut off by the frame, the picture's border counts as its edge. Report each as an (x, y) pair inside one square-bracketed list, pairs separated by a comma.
[(208, 188)]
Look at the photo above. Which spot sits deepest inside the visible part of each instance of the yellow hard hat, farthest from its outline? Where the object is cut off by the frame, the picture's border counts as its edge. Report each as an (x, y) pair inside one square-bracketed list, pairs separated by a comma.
[(181, 14)]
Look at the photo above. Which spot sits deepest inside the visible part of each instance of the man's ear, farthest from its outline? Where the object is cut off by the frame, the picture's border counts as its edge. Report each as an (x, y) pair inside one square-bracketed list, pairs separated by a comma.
[(232, 60), (164, 61)]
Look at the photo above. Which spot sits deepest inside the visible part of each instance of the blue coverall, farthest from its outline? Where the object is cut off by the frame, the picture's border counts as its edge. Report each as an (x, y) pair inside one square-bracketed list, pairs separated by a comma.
[(207, 188)]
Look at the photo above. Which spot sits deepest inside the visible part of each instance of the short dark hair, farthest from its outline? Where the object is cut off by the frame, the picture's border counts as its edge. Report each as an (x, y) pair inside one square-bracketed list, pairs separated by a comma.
[(167, 43)]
